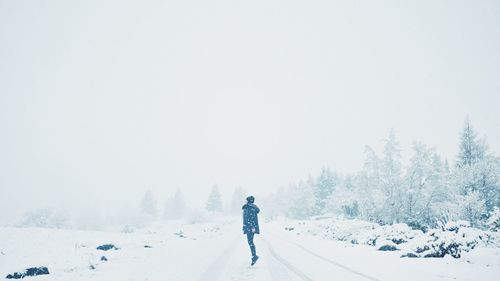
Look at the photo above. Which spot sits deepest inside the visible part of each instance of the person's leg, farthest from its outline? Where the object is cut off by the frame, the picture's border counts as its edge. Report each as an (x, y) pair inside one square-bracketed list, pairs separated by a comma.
[(251, 244)]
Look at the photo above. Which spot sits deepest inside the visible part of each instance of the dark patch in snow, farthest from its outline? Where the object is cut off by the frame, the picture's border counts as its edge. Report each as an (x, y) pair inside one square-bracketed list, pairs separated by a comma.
[(32, 271), (92, 267), (441, 250), (103, 258), (180, 234), (388, 248), (107, 247), (148, 247), (410, 255), (398, 241), (289, 228)]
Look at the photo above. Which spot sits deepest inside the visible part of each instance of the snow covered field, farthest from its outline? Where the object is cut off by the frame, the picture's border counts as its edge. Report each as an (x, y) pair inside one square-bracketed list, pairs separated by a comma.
[(218, 251)]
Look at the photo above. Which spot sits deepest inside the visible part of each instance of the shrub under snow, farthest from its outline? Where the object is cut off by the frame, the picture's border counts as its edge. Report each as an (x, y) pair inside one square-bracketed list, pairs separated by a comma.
[(452, 239)]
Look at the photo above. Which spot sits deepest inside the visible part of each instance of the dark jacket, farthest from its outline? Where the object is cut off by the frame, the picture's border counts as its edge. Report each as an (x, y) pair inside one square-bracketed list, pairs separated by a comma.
[(250, 219)]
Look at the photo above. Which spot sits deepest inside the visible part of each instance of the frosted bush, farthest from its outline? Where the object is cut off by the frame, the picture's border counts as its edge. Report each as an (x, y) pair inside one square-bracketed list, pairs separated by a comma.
[(494, 220), (367, 233), (452, 239), (45, 217)]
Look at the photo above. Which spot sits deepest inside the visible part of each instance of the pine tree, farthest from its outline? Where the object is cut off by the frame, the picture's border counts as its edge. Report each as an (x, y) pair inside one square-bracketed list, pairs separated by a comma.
[(471, 149), (175, 207), (148, 204), (214, 202), (477, 170), (237, 200)]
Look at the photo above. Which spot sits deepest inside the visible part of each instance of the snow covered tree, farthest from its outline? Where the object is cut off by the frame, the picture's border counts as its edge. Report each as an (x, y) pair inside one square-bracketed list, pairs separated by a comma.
[(486, 180), (301, 200), (424, 186), (344, 200), (482, 177), (175, 207), (323, 189), (425, 192), (149, 204), (367, 185), (237, 200), (214, 202), (477, 170), (471, 207), (471, 149), (391, 180)]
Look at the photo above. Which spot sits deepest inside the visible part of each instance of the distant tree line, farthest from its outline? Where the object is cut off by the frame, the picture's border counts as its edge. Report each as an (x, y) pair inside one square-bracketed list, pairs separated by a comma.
[(175, 206)]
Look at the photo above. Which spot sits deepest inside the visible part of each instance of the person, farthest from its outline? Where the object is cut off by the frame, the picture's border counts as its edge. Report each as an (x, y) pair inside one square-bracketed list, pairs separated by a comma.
[(251, 225)]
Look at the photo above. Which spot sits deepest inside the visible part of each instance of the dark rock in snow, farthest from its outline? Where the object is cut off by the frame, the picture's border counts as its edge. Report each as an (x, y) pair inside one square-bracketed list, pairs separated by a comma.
[(107, 247), (32, 271), (388, 248), (410, 255), (147, 246), (15, 275), (92, 267), (103, 258)]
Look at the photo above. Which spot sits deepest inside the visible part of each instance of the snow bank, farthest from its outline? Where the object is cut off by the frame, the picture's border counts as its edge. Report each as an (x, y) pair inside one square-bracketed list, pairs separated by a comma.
[(452, 239), (76, 254)]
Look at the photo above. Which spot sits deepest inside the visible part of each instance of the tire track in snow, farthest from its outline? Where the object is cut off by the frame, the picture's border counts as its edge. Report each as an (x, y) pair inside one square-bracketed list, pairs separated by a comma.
[(290, 267), (214, 271), (329, 260), (276, 269)]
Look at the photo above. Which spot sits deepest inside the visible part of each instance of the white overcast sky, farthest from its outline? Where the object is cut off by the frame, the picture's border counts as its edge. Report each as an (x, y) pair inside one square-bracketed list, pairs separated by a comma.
[(110, 98)]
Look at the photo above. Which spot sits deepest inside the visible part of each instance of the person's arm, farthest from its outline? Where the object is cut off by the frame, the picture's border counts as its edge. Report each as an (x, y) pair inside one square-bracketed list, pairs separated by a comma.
[(243, 216)]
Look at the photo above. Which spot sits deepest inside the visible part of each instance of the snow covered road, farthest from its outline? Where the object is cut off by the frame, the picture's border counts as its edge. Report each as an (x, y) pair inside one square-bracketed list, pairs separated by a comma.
[(218, 251)]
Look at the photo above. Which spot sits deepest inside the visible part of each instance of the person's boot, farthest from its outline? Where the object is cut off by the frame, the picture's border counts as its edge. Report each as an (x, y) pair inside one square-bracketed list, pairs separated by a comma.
[(254, 259), (254, 255)]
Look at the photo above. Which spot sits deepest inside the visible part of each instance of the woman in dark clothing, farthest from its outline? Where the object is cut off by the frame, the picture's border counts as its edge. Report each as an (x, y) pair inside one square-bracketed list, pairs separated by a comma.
[(251, 224)]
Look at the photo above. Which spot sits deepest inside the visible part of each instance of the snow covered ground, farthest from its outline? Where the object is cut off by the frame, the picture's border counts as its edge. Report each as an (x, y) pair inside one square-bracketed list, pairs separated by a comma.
[(218, 251)]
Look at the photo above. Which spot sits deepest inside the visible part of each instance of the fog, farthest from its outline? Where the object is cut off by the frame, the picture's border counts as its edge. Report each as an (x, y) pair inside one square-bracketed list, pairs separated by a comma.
[(103, 100)]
